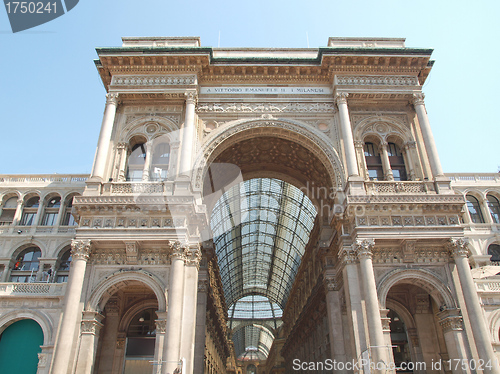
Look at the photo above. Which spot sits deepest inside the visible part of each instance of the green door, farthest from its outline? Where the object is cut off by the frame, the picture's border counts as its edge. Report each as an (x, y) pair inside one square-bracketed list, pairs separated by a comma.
[(19, 347)]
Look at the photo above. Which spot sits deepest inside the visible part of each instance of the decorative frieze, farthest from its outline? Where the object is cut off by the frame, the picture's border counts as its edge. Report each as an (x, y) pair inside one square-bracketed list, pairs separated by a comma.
[(406, 221), (266, 107), (376, 80), (153, 80)]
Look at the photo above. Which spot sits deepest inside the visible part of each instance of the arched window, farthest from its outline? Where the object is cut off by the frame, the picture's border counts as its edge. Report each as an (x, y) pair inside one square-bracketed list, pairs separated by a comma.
[(63, 268), (68, 219), (161, 159), (8, 211), (494, 251), (373, 162), (397, 162), (51, 211), (251, 369), (136, 162), (494, 207), (475, 213), (29, 211), (26, 265)]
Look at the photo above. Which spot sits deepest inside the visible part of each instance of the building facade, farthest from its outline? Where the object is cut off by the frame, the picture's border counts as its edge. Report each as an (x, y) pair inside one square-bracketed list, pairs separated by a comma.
[(254, 211)]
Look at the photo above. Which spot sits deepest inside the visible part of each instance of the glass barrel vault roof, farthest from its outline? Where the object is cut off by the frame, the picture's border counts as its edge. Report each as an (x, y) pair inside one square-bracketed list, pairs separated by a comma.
[(261, 228)]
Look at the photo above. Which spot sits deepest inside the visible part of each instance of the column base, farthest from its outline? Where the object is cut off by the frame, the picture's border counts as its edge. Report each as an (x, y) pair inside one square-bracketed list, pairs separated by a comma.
[(355, 186)]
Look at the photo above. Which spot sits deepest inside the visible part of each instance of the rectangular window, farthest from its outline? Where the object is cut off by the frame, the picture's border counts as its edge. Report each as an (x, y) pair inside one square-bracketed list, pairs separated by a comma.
[(69, 220)]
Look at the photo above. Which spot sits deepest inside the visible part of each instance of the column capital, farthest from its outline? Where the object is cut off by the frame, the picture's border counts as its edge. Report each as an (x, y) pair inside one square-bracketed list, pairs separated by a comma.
[(161, 326), (341, 97), (364, 248), (458, 247), (190, 254), (191, 96), (410, 144), (122, 145), (347, 255), (359, 144), (91, 323), (450, 320), (80, 249), (418, 98), (112, 98)]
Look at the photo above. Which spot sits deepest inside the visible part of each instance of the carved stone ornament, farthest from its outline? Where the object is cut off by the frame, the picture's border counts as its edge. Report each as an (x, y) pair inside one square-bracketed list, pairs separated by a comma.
[(377, 80), (120, 343), (418, 99), (341, 98), (112, 98), (131, 249), (80, 249), (364, 248), (203, 285), (161, 326), (458, 247), (191, 255), (330, 284)]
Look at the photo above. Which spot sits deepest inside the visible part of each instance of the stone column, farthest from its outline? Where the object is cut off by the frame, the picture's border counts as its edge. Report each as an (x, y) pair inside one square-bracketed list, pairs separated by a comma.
[(161, 329), (459, 250), (172, 351), (334, 312), (409, 160), (147, 161), (452, 325), (360, 153), (39, 212), (486, 210), (386, 164), (60, 213), (345, 125), (201, 319), (378, 346), (90, 328), (188, 136), (354, 303), (105, 136), (109, 336), (122, 164), (425, 127), (386, 330), (193, 258), (19, 212), (80, 250)]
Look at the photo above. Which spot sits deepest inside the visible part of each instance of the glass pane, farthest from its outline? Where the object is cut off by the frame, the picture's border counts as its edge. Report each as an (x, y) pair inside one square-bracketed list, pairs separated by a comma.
[(494, 207), (474, 209)]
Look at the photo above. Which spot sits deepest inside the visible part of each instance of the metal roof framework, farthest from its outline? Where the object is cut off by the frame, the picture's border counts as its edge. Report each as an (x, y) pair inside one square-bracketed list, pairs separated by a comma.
[(261, 228)]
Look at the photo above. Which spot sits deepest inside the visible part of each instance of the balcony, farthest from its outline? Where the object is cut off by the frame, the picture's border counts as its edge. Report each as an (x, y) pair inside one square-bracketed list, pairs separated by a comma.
[(43, 179), (32, 289), (393, 187)]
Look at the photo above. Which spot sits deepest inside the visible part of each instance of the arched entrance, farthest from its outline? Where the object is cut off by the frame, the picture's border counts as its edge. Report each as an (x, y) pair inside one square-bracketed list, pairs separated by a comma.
[(133, 324), (262, 226), (425, 323), (19, 347)]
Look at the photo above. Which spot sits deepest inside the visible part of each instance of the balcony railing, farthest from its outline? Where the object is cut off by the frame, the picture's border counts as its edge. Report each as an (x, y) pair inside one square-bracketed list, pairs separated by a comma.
[(474, 177), (392, 187), (138, 187), (44, 178), (32, 289)]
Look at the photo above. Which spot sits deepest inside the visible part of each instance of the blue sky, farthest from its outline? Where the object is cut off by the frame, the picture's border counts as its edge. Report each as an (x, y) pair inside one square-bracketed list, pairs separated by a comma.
[(52, 99)]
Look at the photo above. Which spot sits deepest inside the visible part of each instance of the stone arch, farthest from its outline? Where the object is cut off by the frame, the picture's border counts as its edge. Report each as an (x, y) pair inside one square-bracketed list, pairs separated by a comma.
[(139, 125), (494, 326), (383, 127), (295, 131), (131, 312), (36, 315), (101, 293), (418, 277)]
